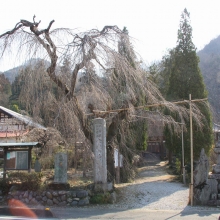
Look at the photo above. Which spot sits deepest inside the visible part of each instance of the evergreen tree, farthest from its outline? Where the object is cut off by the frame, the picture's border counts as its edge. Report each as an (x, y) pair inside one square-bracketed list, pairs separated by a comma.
[(16, 90), (186, 78), (166, 67), (159, 72), (5, 90)]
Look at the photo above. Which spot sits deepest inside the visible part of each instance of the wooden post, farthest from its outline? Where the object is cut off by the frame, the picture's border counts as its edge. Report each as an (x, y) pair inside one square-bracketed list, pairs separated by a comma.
[(29, 159), (118, 168), (75, 157), (183, 165), (5, 159), (191, 147), (84, 159)]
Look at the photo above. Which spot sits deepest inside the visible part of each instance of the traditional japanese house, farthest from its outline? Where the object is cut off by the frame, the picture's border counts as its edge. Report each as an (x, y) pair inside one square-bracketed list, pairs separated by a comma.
[(14, 125)]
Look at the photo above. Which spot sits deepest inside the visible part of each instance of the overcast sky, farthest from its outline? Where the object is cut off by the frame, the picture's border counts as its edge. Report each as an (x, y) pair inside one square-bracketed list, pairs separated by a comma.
[(152, 23)]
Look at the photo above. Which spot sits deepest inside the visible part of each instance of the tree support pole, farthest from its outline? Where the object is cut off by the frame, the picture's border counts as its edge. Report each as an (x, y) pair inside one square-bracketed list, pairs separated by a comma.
[(183, 164), (191, 147)]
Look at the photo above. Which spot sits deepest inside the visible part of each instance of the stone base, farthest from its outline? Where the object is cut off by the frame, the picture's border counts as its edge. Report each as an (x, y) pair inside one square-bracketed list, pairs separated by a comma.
[(58, 186), (103, 187), (212, 203), (110, 186), (100, 187)]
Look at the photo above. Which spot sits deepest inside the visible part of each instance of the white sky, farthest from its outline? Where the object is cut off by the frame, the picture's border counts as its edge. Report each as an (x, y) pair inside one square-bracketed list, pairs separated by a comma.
[(153, 23)]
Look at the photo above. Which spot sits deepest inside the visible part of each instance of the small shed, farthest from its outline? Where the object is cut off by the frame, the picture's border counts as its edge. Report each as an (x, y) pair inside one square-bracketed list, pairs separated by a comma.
[(17, 156)]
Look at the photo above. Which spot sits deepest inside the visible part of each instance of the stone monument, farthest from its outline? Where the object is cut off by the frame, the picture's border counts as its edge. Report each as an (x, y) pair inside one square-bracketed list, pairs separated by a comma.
[(99, 149), (203, 186), (60, 175), (37, 166), (215, 176), (207, 185)]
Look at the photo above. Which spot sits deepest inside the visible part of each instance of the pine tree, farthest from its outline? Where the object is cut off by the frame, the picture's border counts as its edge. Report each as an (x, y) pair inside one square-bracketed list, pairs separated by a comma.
[(185, 79)]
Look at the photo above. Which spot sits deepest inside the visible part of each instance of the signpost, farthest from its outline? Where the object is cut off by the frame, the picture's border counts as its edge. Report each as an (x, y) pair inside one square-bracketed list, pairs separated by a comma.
[(17, 156), (17, 160)]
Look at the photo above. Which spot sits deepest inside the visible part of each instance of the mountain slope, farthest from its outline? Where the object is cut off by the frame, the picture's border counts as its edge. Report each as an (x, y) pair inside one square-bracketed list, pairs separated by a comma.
[(210, 68)]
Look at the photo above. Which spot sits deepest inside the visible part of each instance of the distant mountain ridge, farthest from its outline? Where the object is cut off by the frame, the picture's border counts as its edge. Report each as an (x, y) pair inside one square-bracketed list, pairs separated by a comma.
[(210, 68), (212, 48)]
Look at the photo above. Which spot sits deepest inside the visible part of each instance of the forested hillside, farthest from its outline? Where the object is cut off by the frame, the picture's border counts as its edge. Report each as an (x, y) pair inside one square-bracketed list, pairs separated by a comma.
[(12, 73), (210, 68)]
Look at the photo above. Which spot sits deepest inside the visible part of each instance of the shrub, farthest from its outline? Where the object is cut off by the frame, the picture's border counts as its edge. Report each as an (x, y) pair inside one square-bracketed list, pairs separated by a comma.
[(101, 198), (4, 186), (47, 162), (23, 180)]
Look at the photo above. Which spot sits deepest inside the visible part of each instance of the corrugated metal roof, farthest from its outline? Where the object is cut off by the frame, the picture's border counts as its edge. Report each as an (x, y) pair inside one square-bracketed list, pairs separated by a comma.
[(22, 144), (27, 120)]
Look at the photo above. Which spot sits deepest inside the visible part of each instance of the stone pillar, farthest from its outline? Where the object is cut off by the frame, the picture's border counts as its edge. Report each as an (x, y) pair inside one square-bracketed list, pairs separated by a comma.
[(99, 149)]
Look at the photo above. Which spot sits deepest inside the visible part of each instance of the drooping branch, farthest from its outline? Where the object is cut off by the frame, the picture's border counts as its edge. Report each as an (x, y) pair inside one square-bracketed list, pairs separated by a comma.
[(86, 49), (104, 31), (86, 58), (126, 83), (17, 26)]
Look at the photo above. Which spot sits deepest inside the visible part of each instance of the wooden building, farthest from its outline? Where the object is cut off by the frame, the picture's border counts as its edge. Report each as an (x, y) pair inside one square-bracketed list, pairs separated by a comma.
[(14, 125)]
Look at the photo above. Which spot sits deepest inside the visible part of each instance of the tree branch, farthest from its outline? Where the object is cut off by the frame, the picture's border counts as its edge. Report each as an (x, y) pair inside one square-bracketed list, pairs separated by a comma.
[(13, 30)]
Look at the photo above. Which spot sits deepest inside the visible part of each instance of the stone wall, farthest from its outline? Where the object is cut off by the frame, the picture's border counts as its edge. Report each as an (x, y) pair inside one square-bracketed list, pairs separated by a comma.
[(51, 197)]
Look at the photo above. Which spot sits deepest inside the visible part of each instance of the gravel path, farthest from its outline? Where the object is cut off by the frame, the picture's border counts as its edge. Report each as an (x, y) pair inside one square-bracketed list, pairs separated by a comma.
[(155, 189)]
